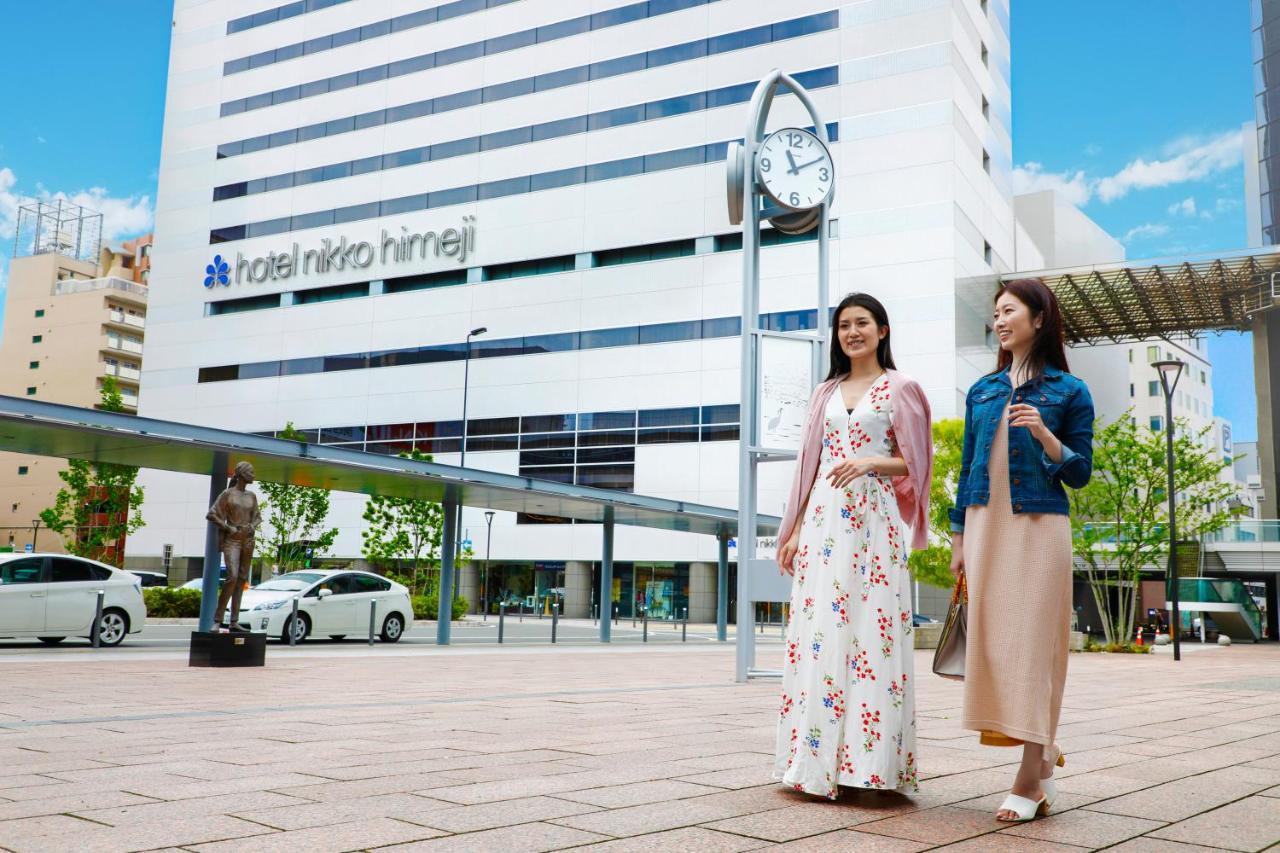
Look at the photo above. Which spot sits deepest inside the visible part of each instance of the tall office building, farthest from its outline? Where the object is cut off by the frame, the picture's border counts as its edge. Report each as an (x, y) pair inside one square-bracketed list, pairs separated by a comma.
[(75, 313), (348, 187), (1262, 209)]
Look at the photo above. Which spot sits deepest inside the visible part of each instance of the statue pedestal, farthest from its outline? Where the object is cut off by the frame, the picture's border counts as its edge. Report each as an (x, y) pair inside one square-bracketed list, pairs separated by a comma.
[(210, 648)]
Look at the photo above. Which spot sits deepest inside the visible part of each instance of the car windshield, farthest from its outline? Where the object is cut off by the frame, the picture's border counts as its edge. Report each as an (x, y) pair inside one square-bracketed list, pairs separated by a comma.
[(291, 582)]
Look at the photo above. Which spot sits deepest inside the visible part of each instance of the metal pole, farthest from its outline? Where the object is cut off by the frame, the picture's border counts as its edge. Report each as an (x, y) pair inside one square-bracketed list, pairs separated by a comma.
[(462, 461), (606, 574), (35, 533), (644, 616), (293, 622), (1176, 619), (444, 614), (722, 588), (373, 609), (488, 544), (212, 553), (555, 620), (502, 618), (684, 628), (97, 619)]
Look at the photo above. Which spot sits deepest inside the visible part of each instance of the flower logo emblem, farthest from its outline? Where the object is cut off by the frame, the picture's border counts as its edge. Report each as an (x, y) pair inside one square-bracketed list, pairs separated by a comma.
[(216, 272)]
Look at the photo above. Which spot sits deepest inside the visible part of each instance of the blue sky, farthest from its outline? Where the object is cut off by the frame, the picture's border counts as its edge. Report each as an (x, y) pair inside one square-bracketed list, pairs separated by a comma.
[(1133, 109)]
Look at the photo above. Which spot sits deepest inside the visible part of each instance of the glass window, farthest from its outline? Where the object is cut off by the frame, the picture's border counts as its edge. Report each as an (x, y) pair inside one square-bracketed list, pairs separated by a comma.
[(25, 570), (277, 182), (223, 373), (346, 37), (597, 455), (457, 195), (667, 435), (461, 53), (408, 111), (1156, 423), (662, 332), (621, 337), (380, 28), (563, 29), (64, 570), (662, 7), (269, 227), (722, 414), (459, 7), (806, 25), (730, 95), (413, 19), (722, 327), (458, 100), (675, 106), (505, 138), (607, 438), (613, 118), (558, 178), (678, 53), (319, 219), (615, 169), (405, 204), (558, 475), (556, 342), (546, 440), (614, 67), (373, 119), (546, 457), (259, 370), (355, 212), (511, 41), (514, 89), (558, 79), (620, 15), (606, 420), (560, 127), (548, 423), (371, 75), (229, 149), (1153, 388), (368, 583), (739, 40), (720, 433), (617, 477), (669, 417), (674, 159), (365, 165)]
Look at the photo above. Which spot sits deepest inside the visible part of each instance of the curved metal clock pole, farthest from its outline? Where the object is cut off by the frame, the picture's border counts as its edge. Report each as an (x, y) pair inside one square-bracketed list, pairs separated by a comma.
[(749, 451)]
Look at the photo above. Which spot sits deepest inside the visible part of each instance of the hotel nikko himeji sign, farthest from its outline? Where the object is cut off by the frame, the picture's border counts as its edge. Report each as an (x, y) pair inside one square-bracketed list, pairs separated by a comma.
[(337, 255)]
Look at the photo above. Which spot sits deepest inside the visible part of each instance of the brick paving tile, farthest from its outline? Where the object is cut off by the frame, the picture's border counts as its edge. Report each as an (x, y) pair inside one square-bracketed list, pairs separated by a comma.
[(1174, 801), (1084, 829), (738, 777), (850, 841), (795, 822), (940, 825), (693, 839), (1249, 824), (148, 836), (505, 813), (1159, 845), (526, 838), (407, 807), (154, 812), (338, 838), (10, 810), (1100, 784), (1000, 842), (651, 817), (637, 793)]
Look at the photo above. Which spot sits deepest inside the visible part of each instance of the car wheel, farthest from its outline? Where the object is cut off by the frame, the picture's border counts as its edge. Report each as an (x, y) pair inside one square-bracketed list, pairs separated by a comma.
[(337, 637), (112, 628), (52, 641), (392, 628), (301, 631)]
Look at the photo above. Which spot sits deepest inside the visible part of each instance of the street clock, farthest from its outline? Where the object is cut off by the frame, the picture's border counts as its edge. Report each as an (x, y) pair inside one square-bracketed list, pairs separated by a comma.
[(794, 169)]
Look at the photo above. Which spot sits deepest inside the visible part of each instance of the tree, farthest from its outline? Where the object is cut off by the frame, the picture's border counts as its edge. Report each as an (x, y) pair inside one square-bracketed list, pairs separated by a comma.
[(403, 529), (933, 564), (1119, 519), (295, 517), (101, 502)]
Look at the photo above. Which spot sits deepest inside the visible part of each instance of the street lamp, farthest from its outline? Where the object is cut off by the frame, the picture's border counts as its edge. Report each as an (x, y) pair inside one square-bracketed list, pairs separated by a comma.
[(35, 532), (462, 459), (1170, 370), (488, 541)]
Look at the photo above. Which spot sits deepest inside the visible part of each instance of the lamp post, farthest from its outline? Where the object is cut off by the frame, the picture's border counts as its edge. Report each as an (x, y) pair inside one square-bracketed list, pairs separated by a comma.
[(462, 459), (35, 532), (1170, 370), (488, 541)]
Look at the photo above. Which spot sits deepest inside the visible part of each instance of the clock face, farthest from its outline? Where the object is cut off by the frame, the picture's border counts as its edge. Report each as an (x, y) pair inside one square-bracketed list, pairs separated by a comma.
[(795, 169)]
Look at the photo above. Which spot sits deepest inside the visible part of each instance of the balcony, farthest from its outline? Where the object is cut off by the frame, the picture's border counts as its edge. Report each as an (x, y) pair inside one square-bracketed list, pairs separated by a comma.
[(121, 288), (116, 344), (130, 398), (123, 372), (127, 320)]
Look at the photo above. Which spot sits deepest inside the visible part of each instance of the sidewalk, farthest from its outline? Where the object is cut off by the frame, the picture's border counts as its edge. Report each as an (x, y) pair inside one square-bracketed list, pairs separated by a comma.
[(645, 749)]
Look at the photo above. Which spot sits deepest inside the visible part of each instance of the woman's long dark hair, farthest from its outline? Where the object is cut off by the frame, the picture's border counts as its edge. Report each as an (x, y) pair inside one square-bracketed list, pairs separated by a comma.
[(1047, 347), (840, 361)]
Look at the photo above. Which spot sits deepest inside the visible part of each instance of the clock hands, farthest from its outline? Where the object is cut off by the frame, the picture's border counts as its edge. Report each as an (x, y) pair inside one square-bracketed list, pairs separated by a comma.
[(796, 169), (792, 160)]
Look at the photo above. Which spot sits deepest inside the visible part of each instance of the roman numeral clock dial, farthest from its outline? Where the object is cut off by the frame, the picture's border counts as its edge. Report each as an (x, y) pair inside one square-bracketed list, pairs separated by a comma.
[(794, 169)]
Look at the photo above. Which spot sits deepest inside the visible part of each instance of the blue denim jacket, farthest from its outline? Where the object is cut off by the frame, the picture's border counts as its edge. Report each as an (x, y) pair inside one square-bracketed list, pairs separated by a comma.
[(1035, 481)]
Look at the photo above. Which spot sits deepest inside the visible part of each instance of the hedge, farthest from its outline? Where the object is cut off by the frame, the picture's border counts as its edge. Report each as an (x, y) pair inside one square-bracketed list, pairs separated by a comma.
[(164, 602), (428, 607)]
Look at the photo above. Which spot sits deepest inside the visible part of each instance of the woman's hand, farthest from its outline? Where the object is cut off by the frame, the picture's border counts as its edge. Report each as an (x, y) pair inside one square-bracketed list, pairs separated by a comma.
[(957, 555), (1026, 415), (849, 470), (787, 553)]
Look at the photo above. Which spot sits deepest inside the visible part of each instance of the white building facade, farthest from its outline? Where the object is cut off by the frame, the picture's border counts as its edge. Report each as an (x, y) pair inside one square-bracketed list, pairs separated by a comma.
[(348, 187)]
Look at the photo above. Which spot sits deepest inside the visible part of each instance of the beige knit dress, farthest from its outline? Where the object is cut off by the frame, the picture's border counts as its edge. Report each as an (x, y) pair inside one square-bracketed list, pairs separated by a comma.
[(1018, 569)]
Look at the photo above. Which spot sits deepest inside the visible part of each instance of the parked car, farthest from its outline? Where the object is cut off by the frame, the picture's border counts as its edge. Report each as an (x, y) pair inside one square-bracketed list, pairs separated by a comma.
[(921, 619), (330, 603), (55, 596), (198, 583), (150, 578)]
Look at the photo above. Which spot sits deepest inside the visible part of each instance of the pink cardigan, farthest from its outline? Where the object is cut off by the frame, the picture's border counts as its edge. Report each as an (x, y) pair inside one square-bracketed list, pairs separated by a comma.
[(913, 429)]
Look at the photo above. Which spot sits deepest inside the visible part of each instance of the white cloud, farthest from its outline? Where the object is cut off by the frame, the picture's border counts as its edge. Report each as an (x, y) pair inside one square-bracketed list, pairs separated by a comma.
[(1186, 207), (1031, 177), (1151, 229), (1093, 149), (121, 217), (1220, 206), (1193, 161)]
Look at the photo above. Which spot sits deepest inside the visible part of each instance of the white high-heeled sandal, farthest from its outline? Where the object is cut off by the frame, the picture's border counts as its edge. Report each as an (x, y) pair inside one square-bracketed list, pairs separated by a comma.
[(1025, 809)]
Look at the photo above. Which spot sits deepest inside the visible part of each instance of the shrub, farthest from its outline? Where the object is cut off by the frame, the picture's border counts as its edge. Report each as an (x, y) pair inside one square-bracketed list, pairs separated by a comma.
[(427, 607), (164, 602), (1117, 648)]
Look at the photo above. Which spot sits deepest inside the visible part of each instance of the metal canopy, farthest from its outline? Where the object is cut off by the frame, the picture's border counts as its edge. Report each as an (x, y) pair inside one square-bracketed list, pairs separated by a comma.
[(1136, 300), (49, 429)]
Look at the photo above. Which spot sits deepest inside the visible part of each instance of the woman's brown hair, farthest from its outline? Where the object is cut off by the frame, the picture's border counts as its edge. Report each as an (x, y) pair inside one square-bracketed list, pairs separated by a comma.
[(1047, 347)]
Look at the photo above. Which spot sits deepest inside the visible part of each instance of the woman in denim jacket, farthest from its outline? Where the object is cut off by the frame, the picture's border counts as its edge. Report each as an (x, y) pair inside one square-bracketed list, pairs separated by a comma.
[(1028, 431)]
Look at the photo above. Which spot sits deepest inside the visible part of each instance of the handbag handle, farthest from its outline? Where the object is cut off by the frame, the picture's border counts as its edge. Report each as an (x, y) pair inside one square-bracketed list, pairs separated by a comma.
[(961, 592)]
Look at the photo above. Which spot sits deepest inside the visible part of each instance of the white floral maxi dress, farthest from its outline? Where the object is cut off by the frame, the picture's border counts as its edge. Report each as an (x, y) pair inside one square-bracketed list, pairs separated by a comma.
[(848, 709)]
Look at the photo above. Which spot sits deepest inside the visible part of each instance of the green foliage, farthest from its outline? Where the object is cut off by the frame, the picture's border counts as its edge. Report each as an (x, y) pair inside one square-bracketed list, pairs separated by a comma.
[(933, 564), (427, 607), (167, 602), (1120, 519), (97, 491), (1117, 648), (292, 515), (404, 529)]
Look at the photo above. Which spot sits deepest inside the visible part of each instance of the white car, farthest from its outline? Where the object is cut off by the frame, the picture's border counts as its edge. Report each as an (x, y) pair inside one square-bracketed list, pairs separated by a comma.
[(55, 596), (330, 603)]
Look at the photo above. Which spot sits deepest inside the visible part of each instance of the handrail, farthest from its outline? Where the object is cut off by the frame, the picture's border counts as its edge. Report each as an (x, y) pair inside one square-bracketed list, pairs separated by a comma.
[(1221, 591)]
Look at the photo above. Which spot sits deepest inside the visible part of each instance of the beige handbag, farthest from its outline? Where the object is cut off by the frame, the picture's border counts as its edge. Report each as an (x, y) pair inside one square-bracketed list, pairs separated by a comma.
[(948, 658)]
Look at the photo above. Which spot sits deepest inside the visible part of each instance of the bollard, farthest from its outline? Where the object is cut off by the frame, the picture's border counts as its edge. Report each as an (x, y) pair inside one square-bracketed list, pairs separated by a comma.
[(522, 612), (373, 608), (555, 620), (613, 609), (293, 623), (502, 618), (644, 612), (684, 627), (97, 619)]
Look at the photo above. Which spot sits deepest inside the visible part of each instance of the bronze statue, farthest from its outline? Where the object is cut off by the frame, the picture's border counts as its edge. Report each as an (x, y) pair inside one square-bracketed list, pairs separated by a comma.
[(236, 515)]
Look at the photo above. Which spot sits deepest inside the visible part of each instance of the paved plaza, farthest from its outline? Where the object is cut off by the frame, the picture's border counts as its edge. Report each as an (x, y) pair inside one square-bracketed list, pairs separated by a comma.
[(630, 748)]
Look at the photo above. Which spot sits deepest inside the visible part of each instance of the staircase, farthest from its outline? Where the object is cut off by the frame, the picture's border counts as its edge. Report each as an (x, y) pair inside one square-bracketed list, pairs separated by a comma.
[(1227, 603)]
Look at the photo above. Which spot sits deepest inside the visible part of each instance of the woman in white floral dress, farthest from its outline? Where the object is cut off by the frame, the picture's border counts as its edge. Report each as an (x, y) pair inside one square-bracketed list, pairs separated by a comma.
[(847, 714)]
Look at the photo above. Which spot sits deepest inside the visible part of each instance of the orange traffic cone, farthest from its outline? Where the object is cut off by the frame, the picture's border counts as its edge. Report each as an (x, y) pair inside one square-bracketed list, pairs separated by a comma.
[(1138, 639)]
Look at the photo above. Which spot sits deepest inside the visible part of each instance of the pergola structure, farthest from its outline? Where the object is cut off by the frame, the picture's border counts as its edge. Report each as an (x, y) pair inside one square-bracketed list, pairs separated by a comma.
[(68, 432), (1136, 300)]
